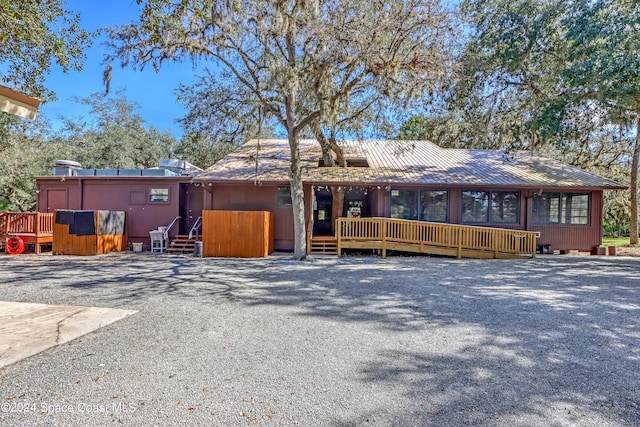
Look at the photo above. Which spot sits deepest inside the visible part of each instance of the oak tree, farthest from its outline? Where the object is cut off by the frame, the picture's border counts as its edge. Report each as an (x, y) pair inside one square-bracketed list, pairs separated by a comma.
[(300, 59), (562, 58), (34, 35)]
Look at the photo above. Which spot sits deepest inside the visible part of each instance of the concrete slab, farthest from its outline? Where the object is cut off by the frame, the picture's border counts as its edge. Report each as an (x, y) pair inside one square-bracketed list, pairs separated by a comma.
[(27, 329)]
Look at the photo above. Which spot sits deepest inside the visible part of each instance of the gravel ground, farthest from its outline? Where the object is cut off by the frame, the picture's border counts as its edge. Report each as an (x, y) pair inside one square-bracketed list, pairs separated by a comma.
[(355, 341)]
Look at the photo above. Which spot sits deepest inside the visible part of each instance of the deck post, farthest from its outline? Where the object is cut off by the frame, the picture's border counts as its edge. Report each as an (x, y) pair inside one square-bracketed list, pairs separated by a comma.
[(339, 236), (383, 224), (37, 225), (459, 234), (310, 222)]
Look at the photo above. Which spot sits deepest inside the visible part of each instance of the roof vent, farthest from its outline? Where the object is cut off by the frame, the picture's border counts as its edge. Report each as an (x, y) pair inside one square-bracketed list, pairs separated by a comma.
[(66, 168), (174, 165)]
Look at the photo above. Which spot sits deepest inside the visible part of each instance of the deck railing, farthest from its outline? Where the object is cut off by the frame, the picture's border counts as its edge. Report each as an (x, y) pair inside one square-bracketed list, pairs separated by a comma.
[(418, 236), (17, 223), (3, 228)]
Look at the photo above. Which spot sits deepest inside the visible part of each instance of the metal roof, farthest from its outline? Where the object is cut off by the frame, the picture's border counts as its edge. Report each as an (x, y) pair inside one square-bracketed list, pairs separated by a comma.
[(402, 162)]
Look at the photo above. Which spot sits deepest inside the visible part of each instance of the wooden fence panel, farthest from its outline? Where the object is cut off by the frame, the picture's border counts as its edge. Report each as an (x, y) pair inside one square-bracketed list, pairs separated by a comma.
[(240, 234), (65, 243)]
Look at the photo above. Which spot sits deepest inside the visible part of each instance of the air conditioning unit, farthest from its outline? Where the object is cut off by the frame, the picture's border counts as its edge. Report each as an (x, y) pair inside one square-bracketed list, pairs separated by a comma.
[(66, 168)]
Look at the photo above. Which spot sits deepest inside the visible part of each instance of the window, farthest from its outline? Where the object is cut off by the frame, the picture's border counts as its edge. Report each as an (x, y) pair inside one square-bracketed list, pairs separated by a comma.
[(433, 206), (423, 205), (354, 162), (404, 204), (575, 208), (284, 196), (561, 208), (159, 195), (504, 207), (475, 206), (496, 207)]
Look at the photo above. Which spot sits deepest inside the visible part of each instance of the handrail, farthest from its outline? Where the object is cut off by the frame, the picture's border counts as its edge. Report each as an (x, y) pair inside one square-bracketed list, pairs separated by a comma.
[(166, 231), (388, 233), (196, 225)]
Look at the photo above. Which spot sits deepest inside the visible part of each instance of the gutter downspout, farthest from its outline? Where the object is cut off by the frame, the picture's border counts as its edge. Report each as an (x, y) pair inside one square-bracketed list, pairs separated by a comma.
[(81, 188)]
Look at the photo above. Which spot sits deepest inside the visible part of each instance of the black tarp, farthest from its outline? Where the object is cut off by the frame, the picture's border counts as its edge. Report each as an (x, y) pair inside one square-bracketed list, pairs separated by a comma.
[(64, 217), (84, 223)]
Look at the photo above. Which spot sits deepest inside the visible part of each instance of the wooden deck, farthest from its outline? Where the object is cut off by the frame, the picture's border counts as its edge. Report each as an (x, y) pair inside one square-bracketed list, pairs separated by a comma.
[(460, 241), (34, 228)]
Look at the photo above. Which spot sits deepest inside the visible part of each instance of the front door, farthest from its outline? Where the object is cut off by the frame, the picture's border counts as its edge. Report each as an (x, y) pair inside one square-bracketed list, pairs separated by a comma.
[(57, 199), (322, 212), (191, 205)]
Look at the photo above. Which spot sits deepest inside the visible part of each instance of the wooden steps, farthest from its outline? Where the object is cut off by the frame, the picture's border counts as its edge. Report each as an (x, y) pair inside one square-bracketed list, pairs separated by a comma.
[(323, 245), (182, 244)]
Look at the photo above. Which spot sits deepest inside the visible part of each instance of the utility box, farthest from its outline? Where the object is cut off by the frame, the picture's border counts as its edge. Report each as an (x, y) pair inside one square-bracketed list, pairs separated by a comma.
[(544, 249), (197, 249)]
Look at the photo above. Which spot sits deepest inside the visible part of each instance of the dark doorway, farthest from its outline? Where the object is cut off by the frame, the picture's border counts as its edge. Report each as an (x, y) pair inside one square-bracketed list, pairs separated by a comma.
[(357, 202), (191, 205), (322, 212)]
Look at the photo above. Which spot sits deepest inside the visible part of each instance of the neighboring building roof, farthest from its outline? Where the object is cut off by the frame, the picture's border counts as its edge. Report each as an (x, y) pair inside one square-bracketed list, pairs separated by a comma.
[(402, 162), (17, 103)]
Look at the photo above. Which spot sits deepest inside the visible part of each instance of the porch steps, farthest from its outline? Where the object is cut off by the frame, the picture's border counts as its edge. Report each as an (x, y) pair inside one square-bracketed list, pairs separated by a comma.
[(182, 244), (324, 246)]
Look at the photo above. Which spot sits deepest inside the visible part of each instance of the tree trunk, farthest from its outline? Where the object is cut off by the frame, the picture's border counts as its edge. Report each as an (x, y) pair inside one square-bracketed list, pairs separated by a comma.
[(337, 204), (297, 192), (633, 188), (297, 201)]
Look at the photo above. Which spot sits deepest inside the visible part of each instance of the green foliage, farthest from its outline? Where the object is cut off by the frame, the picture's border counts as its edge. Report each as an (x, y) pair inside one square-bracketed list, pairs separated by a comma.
[(202, 150), (27, 151), (33, 35), (550, 59), (221, 116), (115, 135), (615, 241)]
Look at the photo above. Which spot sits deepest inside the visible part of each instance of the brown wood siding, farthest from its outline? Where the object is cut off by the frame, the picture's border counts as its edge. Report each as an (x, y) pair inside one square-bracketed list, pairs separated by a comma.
[(283, 232), (65, 243), (455, 205), (242, 234)]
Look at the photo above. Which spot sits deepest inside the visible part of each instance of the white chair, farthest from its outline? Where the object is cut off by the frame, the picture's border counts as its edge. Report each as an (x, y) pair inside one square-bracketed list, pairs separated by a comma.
[(158, 241)]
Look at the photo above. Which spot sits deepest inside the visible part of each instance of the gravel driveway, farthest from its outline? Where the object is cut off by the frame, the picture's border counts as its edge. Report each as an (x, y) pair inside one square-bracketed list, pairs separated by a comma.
[(400, 341)]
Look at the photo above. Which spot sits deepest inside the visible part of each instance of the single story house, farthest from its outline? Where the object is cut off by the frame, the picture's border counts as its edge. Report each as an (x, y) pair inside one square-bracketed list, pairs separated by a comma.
[(414, 180)]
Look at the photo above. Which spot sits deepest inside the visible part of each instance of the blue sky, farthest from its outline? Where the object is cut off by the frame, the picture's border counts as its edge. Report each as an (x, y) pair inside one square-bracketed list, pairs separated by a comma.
[(153, 91)]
